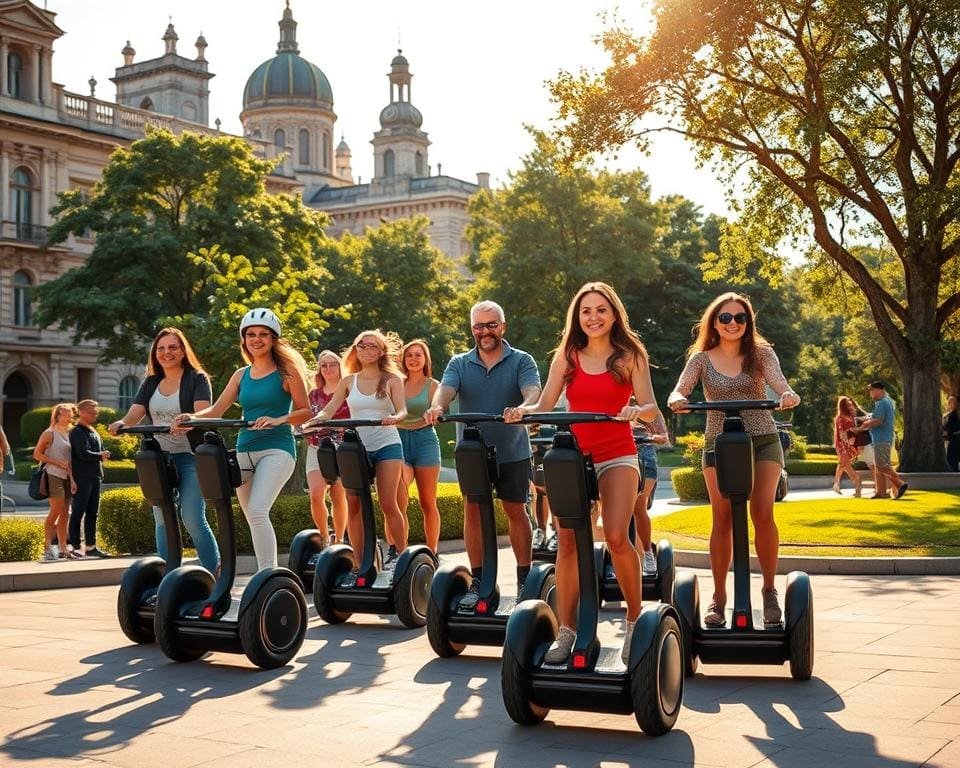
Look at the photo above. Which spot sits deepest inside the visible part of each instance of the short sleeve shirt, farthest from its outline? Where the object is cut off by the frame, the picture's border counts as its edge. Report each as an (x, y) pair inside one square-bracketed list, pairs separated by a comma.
[(884, 410), (482, 390)]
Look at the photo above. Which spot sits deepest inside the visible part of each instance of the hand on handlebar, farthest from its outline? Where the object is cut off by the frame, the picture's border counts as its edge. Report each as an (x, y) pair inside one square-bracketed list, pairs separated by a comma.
[(115, 427), (389, 421), (513, 414), (432, 414), (789, 400), (677, 403)]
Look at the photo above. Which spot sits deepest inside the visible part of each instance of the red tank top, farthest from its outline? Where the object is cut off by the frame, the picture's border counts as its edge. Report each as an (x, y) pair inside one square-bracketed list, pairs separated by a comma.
[(600, 393)]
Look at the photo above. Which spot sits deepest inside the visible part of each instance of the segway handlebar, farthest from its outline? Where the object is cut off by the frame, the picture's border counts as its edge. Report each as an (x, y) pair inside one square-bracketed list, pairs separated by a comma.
[(565, 418), (642, 437), (216, 423), (734, 406), (470, 418), (144, 429), (340, 424)]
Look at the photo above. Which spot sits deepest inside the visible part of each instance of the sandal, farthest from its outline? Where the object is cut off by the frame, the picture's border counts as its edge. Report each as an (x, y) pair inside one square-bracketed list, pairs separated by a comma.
[(716, 614)]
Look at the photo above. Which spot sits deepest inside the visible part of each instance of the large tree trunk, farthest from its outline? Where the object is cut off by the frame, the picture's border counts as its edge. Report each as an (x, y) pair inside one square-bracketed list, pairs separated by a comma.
[(922, 449)]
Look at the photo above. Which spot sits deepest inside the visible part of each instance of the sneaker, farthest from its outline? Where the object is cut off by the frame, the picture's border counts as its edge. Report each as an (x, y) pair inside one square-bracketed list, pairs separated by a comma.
[(76, 554), (559, 650), (552, 543), (716, 614), (771, 607), (901, 490), (627, 639), (539, 538), (350, 580), (50, 554), (469, 601), (96, 552), (392, 556), (649, 563), (836, 488)]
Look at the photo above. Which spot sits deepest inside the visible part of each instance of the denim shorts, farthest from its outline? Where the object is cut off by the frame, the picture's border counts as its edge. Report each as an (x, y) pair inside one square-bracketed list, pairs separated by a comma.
[(648, 461), (421, 447), (765, 448), (387, 453)]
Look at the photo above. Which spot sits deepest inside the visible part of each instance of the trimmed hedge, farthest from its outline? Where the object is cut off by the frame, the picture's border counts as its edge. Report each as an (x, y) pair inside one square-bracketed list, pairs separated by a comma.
[(32, 423), (689, 484), (20, 539), (811, 467), (122, 471), (126, 523)]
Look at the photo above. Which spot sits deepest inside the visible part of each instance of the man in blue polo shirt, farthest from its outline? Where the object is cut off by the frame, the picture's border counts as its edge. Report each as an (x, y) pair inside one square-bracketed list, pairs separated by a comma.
[(490, 377), (880, 424)]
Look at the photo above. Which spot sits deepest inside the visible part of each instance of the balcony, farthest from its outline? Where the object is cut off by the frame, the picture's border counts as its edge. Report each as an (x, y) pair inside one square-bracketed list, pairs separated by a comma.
[(23, 232)]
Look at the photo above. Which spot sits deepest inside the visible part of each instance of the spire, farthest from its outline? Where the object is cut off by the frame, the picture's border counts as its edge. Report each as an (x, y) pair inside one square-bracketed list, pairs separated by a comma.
[(170, 38), (288, 32)]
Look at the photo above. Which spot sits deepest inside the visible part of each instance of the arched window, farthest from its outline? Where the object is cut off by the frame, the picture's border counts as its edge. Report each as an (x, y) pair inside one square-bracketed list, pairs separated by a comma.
[(279, 139), (21, 202), (15, 75), (22, 311), (418, 163), (147, 103), (388, 163), (303, 145), (128, 390)]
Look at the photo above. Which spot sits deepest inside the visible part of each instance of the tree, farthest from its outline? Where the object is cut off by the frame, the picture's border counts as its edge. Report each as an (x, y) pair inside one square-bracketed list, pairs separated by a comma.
[(844, 113), (552, 229), (159, 200)]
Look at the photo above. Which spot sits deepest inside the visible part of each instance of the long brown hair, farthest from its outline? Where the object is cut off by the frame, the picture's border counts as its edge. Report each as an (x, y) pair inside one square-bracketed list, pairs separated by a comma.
[(708, 338), (389, 344), (428, 361), (627, 347), (846, 406), (289, 362), (190, 361)]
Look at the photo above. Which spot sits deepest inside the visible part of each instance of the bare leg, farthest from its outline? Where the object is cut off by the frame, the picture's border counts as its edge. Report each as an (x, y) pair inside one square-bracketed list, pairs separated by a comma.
[(388, 478), (721, 536), (618, 488), (427, 478), (318, 503), (338, 498), (521, 537), (767, 541), (568, 580)]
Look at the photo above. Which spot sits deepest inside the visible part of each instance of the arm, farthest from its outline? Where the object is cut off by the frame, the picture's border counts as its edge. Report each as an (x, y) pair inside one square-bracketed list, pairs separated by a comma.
[(543, 400), (339, 395), (80, 447), (692, 372), (440, 403), (395, 393), (227, 398), (133, 416), (878, 418), (776, 380), (4, 445), (40, 452), (646, 407)]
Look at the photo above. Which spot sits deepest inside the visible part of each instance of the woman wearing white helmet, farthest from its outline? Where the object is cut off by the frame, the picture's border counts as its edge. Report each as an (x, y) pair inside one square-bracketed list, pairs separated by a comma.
[(271, 390)]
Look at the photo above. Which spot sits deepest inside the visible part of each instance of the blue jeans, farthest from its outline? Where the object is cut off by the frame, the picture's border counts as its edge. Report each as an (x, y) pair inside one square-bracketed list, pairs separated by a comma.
[(193, 513)]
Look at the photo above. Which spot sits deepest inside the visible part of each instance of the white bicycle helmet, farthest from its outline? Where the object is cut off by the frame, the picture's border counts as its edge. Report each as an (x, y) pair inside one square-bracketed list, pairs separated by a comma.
[(261, 316)]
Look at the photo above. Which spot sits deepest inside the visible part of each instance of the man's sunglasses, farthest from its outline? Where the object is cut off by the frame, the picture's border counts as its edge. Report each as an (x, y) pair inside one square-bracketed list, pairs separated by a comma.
[(490, 326), (726, 318)]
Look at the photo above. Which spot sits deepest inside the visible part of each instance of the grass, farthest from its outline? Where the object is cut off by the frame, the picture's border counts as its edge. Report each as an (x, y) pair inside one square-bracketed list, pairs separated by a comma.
[(922, 523)]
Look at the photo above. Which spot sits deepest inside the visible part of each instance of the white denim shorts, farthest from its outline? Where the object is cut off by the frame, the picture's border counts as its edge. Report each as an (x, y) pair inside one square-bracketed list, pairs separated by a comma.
[(619, 461)]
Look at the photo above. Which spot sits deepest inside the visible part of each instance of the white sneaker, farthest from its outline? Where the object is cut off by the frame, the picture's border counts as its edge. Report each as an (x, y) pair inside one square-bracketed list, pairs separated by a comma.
[(49, 554), (627, 639), (56, 550), (649, 563), (538, 538), (559, 652)]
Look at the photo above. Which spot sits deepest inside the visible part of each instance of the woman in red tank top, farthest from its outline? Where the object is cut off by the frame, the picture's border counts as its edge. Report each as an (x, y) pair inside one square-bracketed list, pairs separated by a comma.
[(601, 363)]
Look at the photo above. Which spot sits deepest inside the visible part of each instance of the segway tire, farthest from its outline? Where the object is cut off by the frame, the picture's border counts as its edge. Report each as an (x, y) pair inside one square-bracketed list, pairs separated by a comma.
[(186, 584), (666, 570), (516, 699), (686, 595), (656, 684), (412, 592), (448, 586), (142, 575), (799, 626), (273, 627), (323, 580)]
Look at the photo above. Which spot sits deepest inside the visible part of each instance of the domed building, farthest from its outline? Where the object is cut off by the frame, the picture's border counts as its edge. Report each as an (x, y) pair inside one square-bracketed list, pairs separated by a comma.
[(288, 102)]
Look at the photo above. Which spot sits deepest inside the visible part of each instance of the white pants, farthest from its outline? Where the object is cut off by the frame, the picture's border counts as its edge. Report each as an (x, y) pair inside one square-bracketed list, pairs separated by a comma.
[(264, 475)]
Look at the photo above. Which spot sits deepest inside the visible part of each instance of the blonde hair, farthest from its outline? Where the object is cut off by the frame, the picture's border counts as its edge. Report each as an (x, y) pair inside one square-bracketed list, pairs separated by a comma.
[(55, 413), (289, 362), (389, 344), (428, 365), (318, 378)]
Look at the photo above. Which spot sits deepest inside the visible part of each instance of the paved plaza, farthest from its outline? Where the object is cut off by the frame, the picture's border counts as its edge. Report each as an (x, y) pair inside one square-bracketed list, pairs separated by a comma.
[(74, 692)]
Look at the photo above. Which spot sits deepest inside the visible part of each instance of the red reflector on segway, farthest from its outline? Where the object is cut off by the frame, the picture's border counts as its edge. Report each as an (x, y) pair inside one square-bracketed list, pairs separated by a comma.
[(361, 581), (580, 660), (207, 612), (482, 606), (741, 621)]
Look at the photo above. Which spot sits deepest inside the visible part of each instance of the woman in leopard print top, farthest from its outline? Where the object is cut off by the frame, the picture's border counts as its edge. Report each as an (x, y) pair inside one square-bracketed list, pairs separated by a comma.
[(733, 362)]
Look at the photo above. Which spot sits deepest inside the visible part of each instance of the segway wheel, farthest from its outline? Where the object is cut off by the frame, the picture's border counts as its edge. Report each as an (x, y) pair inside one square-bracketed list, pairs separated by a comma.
[(799, 620), (516, 700), (686, 595), (656, 684), (412, 592), (334, 562), (548, 592), (142, 576), (273, 627), (666, 570), (186, 584), (448, 586)]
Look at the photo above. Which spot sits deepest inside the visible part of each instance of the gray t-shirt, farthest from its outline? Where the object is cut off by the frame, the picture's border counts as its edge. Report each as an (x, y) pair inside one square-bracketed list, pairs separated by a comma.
[(163, 410), (482, 390)]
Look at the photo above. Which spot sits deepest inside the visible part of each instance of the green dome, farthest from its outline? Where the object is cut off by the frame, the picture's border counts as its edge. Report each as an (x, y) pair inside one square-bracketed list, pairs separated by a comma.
[(290, 79)]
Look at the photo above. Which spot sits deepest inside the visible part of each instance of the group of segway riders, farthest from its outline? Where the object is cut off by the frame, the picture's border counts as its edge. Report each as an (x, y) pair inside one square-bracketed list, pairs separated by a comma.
[(602, 369)]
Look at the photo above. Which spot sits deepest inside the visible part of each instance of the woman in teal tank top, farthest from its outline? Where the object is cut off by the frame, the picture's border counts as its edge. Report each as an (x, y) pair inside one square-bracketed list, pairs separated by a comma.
[(273, 382), (421, 448)]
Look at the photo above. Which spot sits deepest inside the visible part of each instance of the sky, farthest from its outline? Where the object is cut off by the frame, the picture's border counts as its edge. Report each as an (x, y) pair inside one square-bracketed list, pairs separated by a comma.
[(479, 69)]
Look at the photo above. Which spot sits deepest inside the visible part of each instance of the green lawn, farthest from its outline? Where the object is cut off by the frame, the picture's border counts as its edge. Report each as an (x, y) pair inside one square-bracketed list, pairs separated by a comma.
[(922, 523)]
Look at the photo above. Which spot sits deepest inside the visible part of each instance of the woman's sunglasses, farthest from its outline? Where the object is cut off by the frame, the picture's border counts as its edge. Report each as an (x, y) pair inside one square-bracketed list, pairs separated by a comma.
[(726, 318)]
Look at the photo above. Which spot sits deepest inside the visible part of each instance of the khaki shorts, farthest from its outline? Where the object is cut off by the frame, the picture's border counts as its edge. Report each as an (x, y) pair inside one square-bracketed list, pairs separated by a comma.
[(58, 487), (881, 455), (765, 448)]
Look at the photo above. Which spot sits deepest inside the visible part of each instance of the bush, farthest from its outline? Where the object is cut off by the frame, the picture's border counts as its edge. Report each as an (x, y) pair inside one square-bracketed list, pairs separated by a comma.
[(799, 448), (811, 467), (689, 484), (821, 448), (123, 471), (121, 446), (693, 444), (20, 539), (126, 522)]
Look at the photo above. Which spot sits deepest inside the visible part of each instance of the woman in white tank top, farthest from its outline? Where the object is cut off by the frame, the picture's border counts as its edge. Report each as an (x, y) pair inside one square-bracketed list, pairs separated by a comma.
[(375, 391)]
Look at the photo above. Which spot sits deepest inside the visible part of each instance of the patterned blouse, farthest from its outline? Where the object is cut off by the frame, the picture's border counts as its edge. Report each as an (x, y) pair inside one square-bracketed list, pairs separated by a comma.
[(744, 386)]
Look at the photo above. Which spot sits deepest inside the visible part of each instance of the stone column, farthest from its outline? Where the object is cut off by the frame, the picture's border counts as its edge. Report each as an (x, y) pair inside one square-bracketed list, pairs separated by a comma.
[(46, 77), (35, 71), (4, 180), (45, 185), (3, 67)]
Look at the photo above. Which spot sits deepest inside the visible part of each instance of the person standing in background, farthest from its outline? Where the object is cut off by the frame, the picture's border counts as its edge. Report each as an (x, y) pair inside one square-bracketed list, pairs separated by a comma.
[(87, 457)]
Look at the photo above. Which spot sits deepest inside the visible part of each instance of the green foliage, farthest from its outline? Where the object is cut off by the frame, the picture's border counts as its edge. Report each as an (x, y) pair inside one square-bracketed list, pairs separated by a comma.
[(693, 444), (121, 446), (34, 421), (808, 467), (689, 484), (799, 448), (20, 539)]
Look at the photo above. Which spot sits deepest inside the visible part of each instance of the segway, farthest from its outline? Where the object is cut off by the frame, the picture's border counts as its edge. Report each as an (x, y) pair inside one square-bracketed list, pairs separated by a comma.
[(594, 679), (196, 614), (450, 625), (337, 592), (306, 546), (158, 477), (744, 639), (540, 445)]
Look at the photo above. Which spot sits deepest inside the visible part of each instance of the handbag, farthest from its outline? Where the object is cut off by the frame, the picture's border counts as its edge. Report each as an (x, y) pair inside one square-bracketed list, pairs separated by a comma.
[(38, 487), (860, 439)]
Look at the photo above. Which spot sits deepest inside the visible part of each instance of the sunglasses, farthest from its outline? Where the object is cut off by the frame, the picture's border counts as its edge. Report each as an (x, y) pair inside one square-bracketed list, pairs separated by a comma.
[(492, 325), (726, 318), (367, 345)]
